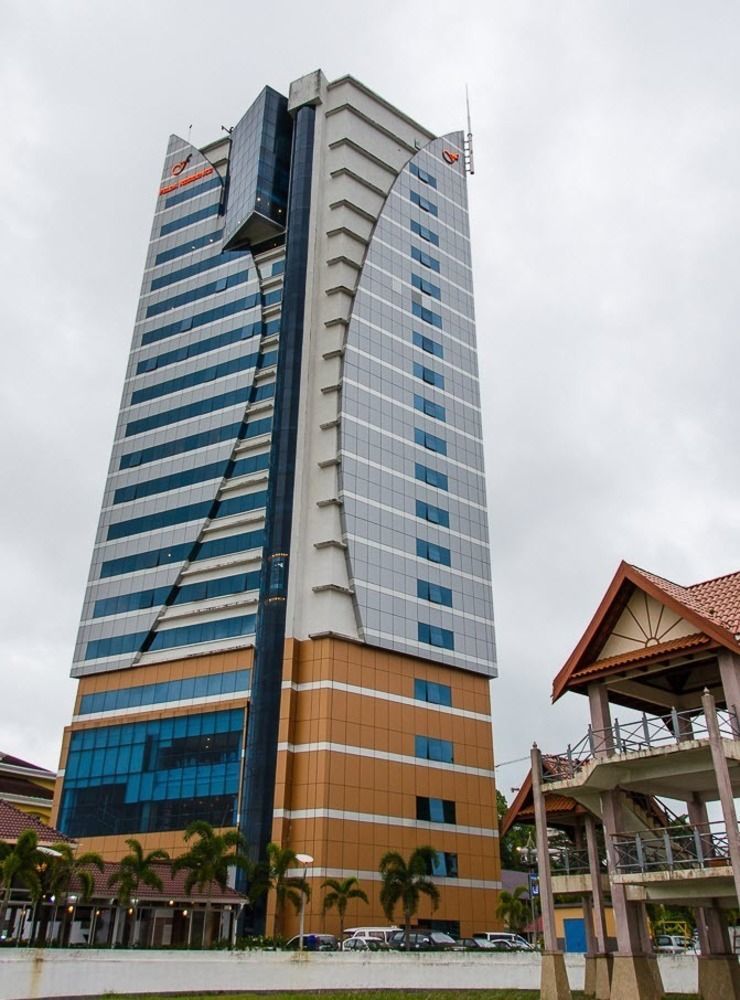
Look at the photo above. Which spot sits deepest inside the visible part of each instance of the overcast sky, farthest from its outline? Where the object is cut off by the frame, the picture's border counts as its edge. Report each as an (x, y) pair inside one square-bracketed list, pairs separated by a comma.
[(605, 214)]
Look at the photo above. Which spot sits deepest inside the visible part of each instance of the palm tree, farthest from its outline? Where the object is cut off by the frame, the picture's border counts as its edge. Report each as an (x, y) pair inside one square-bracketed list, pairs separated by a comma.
[(65, 867), (512, 909), (287, 887), (135, 869), (20, 863), (341, 891), (208, 860), (404, 881)]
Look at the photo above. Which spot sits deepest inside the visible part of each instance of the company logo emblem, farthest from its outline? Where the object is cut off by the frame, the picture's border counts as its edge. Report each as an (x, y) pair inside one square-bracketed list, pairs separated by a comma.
[(179, 167), (449, 157)]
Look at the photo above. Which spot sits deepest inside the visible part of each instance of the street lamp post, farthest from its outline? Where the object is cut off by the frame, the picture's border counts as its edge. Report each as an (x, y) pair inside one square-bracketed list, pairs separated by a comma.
[(305, 860)]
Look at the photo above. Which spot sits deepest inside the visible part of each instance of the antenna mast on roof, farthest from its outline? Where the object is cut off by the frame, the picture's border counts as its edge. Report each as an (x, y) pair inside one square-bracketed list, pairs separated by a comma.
[(468, 142)]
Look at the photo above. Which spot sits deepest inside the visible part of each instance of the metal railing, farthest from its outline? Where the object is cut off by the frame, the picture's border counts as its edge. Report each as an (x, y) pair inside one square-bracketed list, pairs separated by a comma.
[(676, 848), (632, 737), (569, 861)]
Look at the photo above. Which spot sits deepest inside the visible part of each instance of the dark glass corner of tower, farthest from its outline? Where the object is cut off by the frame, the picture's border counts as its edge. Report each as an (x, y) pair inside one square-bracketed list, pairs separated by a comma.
[(259, 171)]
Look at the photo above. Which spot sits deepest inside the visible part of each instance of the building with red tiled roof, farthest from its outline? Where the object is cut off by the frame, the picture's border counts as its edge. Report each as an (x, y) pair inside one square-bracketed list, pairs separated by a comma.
[(672, 653), (14, 822)]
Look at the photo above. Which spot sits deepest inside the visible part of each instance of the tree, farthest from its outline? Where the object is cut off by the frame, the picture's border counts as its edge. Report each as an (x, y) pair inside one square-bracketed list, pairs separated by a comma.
[(208, 860), (516, 837), (404, 881), (135, 869), (66, 867), (20, 863), (341, 891), (512, 909), (287, 888)]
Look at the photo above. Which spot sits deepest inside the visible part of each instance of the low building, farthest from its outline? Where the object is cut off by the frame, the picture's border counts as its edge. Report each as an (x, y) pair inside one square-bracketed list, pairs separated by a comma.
[(26, 786), (670, 655)]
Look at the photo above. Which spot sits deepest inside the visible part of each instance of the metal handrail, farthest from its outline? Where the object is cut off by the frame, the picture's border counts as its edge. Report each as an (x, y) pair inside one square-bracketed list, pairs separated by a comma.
[(569, 861), (675, 848), (633, 737)]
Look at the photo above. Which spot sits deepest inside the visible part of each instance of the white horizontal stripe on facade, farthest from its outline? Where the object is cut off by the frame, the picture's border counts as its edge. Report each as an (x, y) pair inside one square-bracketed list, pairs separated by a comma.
[(428, 248), (419, 450), (409, 343), (426, 605), (421, 649), (363, 459), (409, 517), (163, 706), (419, 560), (431, 299), (430, 194), (397, 699), (424, 245), (325, 746), (375, 876), (349, 816)]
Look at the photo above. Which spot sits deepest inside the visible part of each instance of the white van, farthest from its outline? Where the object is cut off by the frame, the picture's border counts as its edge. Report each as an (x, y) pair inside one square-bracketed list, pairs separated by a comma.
[(381, 933)]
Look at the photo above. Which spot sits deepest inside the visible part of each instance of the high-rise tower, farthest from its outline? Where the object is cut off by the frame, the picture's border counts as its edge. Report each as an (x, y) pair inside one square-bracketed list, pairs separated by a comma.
[(288, 623)]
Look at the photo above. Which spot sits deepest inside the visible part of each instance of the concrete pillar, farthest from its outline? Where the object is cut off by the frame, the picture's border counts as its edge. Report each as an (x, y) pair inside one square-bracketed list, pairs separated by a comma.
[(729, 672), (597, 891), (635, 974), (724, 785), (554, 979), (601, 720), (719, 977)]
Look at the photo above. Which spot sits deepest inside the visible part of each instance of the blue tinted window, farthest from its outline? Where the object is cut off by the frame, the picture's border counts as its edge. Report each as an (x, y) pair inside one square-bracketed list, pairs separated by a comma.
[(114, 646), (206, 589), (431, 749), (433, 552), (423, 175), (270, 298), (185, 635), (435, 694), (189, 220), (427, 344), (209, 316), (278, 267), (193, 294), (424, 204), (131, 602), (421, 312), (145, 560), (203, 346), (426, 234), (152, 694), (189, 512), (429, 376), (429, 408), (219, 260), (431, 513), (426, 286), (169, 448), (192, 191), (424, 258), (430, 441), (198, 377), (188, 477), (234, 543), (431, 477), (434, 593), (189, 247), (186, 412), (435, 810), (435, 636), (444, 865), (155, 775)]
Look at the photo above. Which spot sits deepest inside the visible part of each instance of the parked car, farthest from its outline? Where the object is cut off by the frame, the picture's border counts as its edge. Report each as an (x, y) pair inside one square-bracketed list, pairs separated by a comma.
[(475, 944), (360, 943), (673, 944), (382, 933), (314, 942), (422, 941), (511, 941)]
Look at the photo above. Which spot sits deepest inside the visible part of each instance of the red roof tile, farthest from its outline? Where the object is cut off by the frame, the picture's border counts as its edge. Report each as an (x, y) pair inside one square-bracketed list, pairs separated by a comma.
[(13, 822), (6, 758), (173, 887)]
